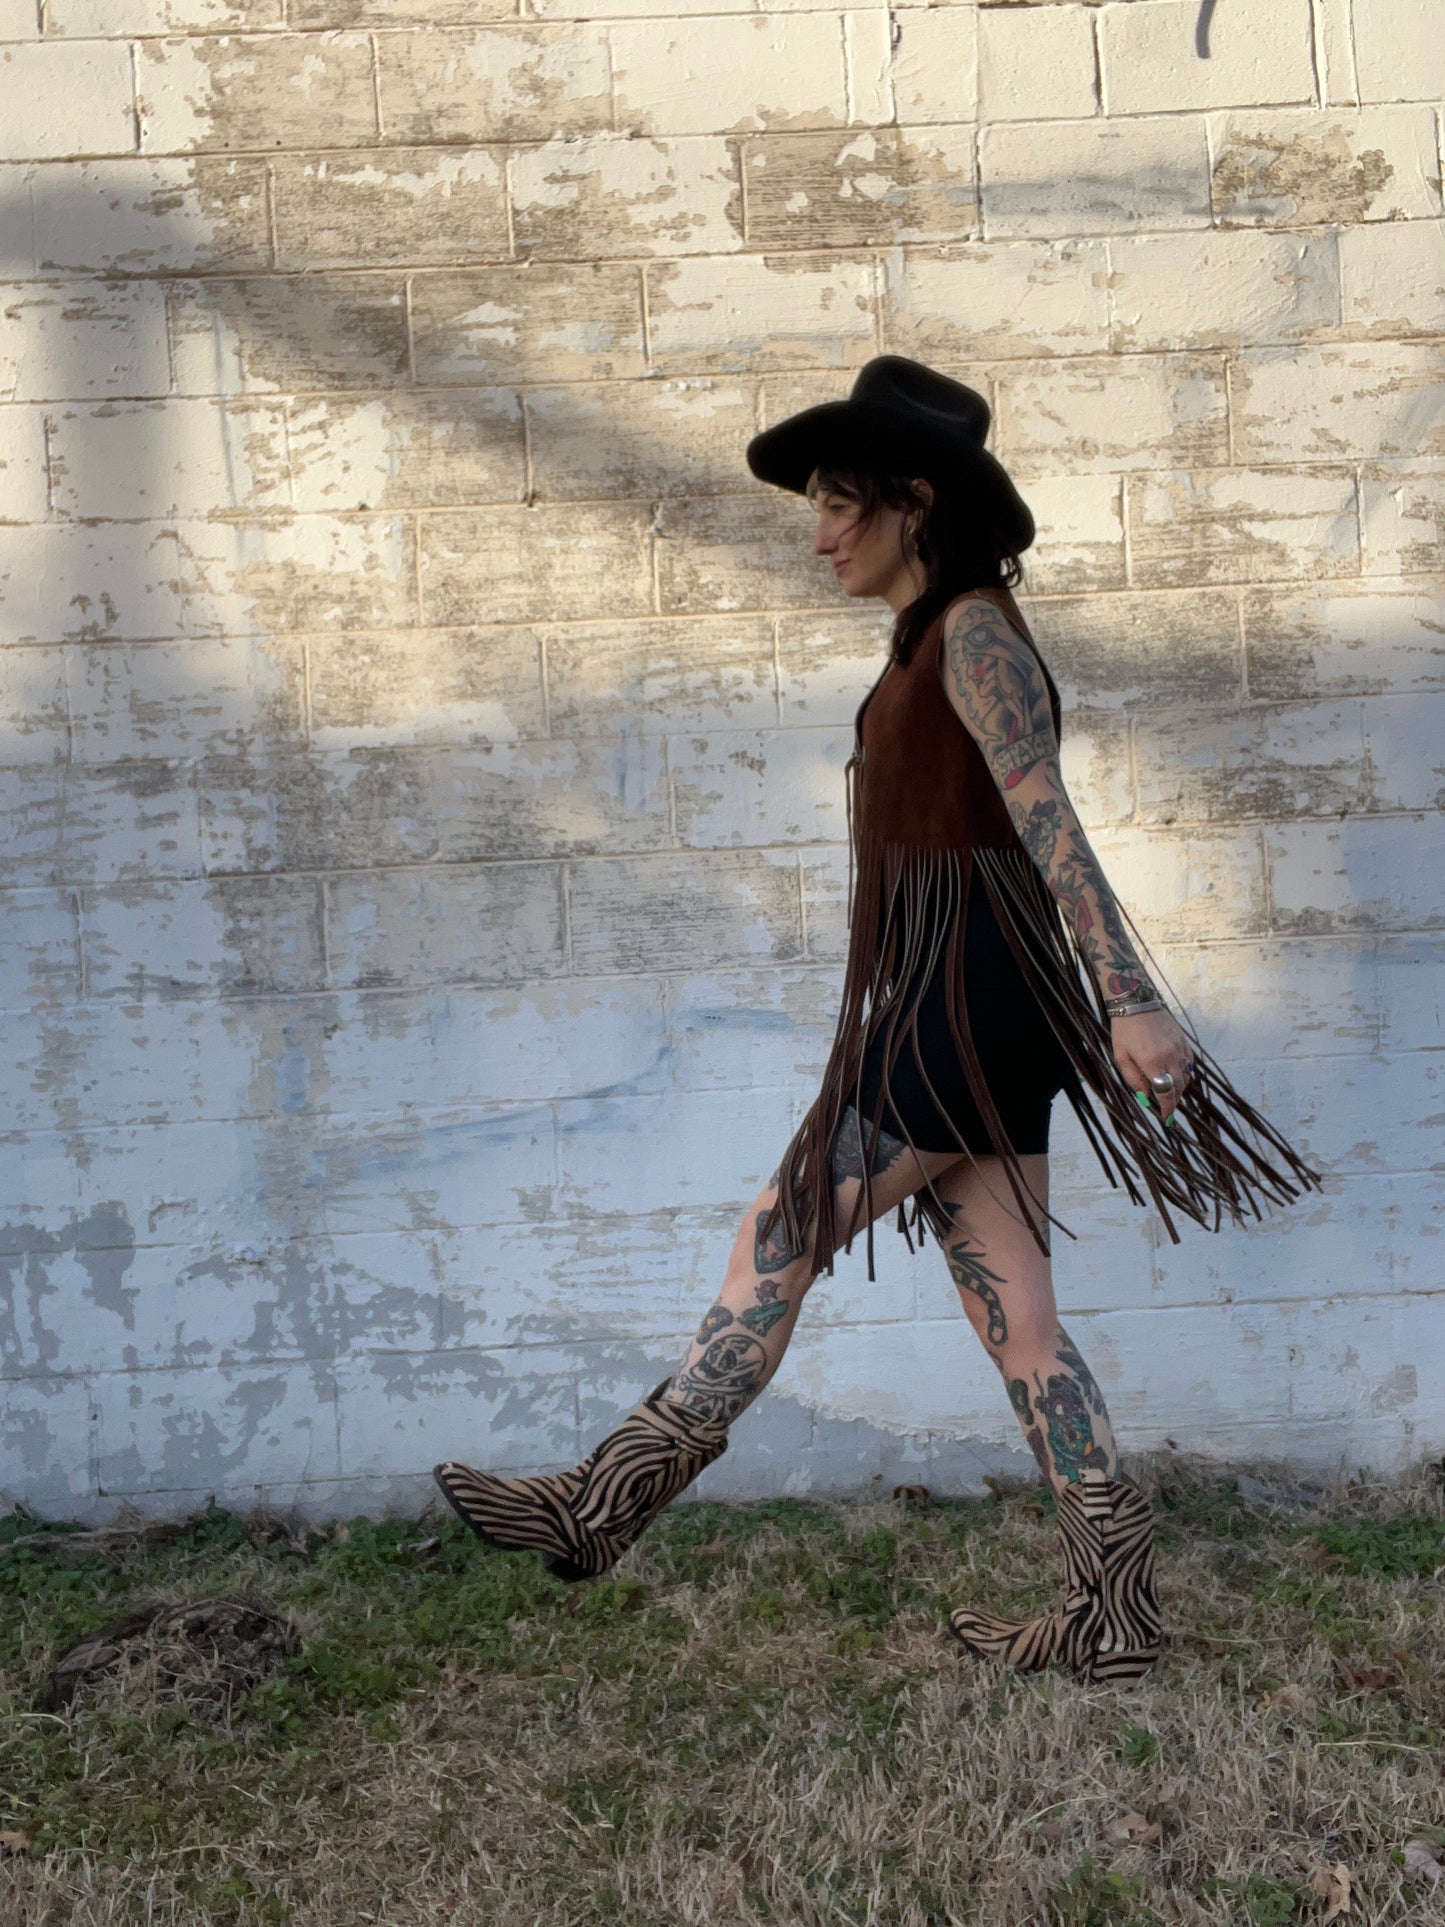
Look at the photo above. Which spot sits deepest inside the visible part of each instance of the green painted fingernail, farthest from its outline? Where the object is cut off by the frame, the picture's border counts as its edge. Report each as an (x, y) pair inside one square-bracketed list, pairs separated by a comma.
[(1169, 1120), (1143, 1097)]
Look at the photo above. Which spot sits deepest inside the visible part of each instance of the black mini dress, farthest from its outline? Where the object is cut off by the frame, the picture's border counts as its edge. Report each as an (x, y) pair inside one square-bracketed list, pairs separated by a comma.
[(1023, 1063)]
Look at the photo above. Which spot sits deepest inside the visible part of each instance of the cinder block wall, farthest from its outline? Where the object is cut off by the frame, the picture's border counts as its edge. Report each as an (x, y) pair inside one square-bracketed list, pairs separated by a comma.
[(423, 857)]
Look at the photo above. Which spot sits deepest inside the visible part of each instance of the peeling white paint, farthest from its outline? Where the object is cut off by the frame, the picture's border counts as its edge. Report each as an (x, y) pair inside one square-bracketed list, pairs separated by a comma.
[(421, 834)]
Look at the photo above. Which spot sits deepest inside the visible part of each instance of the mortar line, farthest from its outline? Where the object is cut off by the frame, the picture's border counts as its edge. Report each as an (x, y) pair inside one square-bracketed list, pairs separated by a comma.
[(660, 978), (1132, 746), (611, 76), (325, 908), (1244, 689), (507, 200), (134, 90), (47, 429), (544, 672), (1326, 1066), (289, 453), (646, 314), (568, 949), (1096, 35), (273, 234), (410, 331), (1111, 306), (1318, 61), (376, 84), (1229, 410), (1370, 941), (1268, 870), (669, 791), (1125, 530), (308, 709), (976, 149), (847, 66)]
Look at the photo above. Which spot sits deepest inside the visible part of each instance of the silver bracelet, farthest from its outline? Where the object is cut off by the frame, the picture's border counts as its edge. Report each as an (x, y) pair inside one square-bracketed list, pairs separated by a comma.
[(1124, 1007)]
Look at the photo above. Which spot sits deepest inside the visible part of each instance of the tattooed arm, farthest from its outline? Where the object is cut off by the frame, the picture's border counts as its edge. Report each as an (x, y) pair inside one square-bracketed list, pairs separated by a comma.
[(995, 682)]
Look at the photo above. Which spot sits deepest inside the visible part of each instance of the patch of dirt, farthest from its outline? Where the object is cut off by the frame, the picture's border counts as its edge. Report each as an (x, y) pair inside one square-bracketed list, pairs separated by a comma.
[(202, 1653)]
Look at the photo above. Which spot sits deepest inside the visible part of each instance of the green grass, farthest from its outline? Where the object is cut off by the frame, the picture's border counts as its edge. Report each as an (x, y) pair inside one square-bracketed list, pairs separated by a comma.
[(758, 1714)]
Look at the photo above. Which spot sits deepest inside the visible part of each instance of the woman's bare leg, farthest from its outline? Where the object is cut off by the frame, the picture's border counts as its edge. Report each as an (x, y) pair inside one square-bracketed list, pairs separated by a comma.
[(742, 1338), (1007, 1288)]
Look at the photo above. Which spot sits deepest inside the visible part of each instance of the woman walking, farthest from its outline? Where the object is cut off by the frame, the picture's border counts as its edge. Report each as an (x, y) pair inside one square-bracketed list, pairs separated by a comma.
[(990, 968)]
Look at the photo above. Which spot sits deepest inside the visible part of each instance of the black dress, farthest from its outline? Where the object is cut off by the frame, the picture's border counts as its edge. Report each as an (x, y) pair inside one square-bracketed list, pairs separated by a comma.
[(930, 1104)]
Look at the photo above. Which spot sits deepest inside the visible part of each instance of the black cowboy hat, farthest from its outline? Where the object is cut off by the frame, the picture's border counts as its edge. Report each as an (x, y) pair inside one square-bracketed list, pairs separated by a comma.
[(904, 417)]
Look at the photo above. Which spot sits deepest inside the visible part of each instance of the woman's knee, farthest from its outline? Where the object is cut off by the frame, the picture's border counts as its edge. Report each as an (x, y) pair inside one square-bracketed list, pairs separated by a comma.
[(1026, 1329)]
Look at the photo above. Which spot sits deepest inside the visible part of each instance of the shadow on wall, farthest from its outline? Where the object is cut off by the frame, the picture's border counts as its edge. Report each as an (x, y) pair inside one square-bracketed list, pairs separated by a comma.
[(202, 870)]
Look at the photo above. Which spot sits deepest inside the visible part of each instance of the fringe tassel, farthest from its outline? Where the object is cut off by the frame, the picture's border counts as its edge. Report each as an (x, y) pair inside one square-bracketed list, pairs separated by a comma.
[(1201, 1167)]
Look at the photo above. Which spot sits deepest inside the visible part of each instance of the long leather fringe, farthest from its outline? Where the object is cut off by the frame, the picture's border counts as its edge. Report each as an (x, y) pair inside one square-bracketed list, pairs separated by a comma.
[(905, 906)]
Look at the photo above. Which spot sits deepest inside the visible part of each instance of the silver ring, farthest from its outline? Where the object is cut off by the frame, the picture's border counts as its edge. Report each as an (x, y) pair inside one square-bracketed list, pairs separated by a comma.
[(1163, 1083)]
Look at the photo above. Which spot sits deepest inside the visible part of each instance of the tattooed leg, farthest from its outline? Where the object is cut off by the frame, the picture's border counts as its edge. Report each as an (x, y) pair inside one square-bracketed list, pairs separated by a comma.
[(741, 1339), (972, 1276), (1006, 1286), (848, 1150), (1057, 1401)]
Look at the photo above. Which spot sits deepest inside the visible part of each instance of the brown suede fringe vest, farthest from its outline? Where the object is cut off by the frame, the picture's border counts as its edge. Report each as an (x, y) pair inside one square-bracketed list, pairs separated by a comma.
[(927, 826)]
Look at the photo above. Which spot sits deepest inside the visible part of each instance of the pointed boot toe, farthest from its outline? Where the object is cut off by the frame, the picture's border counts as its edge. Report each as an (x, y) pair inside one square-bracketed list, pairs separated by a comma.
[(514, 1515), (581, 1522), (1066, 1631)]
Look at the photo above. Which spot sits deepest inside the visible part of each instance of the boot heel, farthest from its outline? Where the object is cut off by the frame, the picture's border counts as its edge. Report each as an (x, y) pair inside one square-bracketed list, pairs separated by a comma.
[(1124, 1640)]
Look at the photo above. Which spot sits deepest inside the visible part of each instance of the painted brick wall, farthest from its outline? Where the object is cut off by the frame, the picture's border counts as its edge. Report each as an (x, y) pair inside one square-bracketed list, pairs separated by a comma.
[(422, 852)]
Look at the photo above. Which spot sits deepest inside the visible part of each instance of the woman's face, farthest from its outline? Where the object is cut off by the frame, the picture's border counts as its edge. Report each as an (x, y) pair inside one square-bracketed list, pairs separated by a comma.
[(876, 560)]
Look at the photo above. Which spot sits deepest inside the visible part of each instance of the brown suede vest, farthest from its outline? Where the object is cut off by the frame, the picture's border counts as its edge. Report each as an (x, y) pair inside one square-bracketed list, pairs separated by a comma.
[(928, 826), (921, 778)]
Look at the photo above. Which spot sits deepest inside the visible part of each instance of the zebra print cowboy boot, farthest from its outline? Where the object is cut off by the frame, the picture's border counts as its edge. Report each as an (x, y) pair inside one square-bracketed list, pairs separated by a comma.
[(582, 1521), (1108, 1626)]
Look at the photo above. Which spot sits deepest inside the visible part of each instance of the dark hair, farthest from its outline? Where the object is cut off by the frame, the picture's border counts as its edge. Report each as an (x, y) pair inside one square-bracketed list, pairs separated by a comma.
[(960, 544)]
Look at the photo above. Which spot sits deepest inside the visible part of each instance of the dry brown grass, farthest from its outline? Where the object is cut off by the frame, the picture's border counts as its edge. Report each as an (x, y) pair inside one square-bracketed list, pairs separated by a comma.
[(757, 1718)]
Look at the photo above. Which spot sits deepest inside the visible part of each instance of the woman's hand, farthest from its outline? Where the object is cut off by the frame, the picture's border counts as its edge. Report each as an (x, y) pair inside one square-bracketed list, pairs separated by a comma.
[(1147, 1046)]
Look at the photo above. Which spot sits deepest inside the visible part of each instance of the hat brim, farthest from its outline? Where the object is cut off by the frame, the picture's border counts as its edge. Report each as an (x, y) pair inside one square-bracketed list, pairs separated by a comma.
[(839, 431)]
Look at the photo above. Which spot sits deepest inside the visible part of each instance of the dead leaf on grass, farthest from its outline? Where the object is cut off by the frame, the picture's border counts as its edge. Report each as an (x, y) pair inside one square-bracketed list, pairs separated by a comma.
[(1421, 1862), (12, 1840), (1367, 1679), (1332, 1884), (1292, 1697), (914, 1492), (1135, 1827)]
